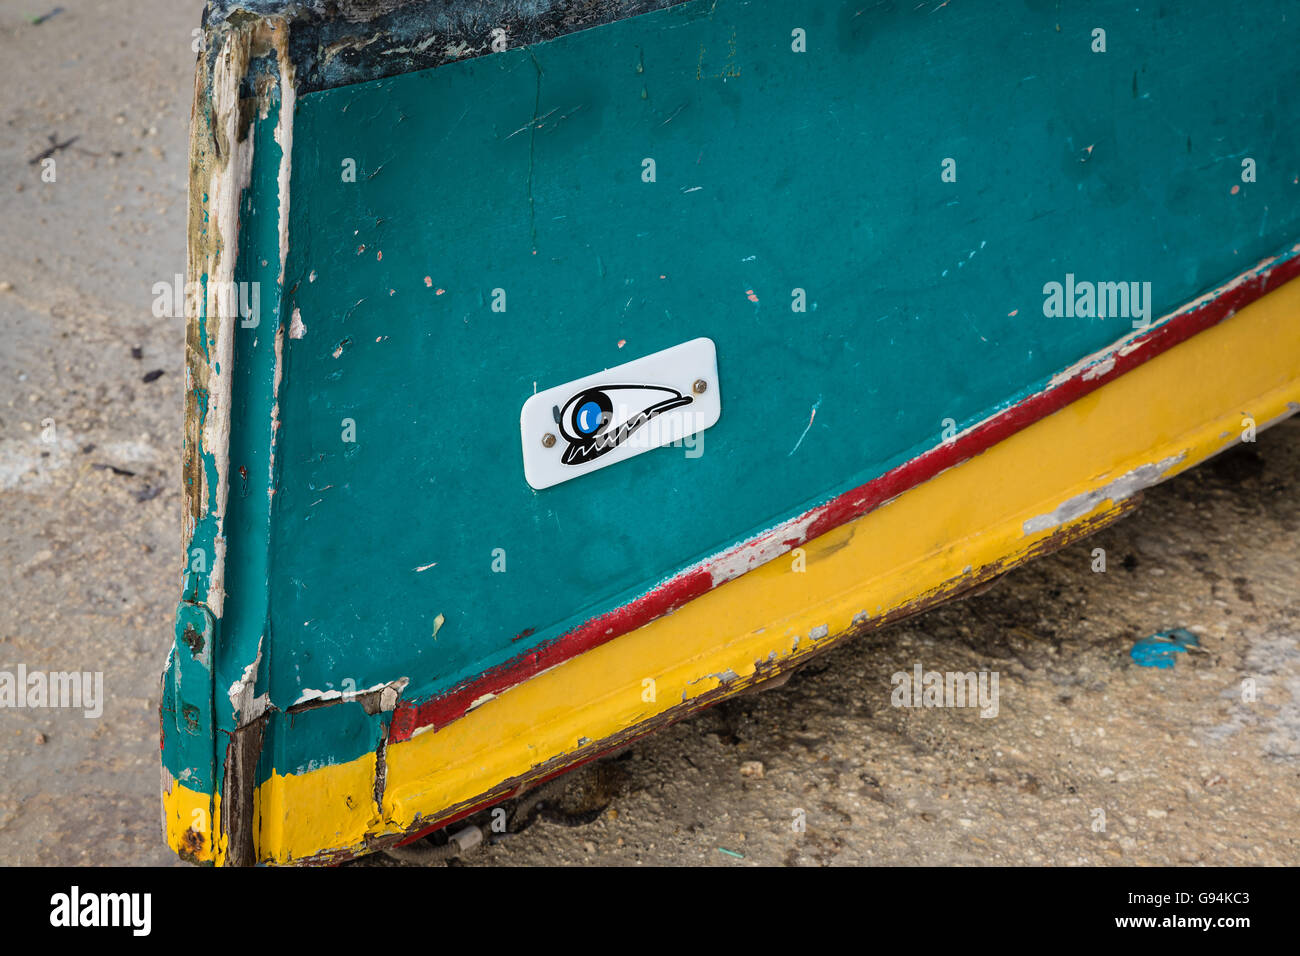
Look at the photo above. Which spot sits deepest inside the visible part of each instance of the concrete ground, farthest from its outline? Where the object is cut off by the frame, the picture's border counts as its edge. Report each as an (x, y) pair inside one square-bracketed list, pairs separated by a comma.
[(1090, 760)]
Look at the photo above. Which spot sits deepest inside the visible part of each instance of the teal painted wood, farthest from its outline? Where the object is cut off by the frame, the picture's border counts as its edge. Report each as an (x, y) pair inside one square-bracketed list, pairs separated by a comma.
[(775, 170), (240, 636)]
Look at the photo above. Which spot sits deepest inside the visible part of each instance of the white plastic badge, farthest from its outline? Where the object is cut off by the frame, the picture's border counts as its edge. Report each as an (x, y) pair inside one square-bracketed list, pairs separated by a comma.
[(593, 422)]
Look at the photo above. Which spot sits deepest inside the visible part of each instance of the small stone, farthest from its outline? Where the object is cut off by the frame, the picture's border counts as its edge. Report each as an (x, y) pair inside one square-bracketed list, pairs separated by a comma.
[(6, 287), (751, 768), (41, 739)]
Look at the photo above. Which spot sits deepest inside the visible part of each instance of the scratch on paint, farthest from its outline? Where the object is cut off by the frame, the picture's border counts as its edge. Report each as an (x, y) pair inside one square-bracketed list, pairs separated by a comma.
[(532, 152), (425, 567), (816, 405)]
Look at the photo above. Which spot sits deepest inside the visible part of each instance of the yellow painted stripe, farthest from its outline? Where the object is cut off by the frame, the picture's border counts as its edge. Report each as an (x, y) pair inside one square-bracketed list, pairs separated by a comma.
[(192, 824), (1155, 421), (302, 814)]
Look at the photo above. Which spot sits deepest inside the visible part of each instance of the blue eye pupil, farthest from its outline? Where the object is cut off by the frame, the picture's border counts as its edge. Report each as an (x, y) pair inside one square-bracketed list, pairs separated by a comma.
[(588, 418)]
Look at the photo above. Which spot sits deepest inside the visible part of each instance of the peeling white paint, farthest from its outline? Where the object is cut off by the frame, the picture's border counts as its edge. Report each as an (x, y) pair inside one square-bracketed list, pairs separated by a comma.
[(284, 135), (296, 329), (758, 551), (1129, 483), (275, 412), (394, 688), (242, 701), (225, 188), (1100, 369), (217, 579)]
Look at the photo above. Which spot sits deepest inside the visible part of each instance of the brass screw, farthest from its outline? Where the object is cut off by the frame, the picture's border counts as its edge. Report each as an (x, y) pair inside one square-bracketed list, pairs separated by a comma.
[(548, 440), (700, 386)]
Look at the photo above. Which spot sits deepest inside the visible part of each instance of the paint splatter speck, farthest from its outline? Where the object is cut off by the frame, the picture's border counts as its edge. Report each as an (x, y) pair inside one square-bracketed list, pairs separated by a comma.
[(749, 294), (1235, 190), (428, 282), (622, 342), (380, 255)]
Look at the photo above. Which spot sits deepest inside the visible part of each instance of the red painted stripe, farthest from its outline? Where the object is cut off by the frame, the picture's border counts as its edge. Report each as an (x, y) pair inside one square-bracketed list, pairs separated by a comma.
[(692, 583)]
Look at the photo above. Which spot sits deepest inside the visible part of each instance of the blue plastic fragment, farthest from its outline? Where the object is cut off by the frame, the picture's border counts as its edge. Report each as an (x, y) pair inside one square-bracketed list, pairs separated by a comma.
[(1159, 649)]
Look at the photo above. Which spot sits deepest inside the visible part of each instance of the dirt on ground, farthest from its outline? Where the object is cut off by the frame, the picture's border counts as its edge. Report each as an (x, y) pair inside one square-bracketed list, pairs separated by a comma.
[(1090, 758)]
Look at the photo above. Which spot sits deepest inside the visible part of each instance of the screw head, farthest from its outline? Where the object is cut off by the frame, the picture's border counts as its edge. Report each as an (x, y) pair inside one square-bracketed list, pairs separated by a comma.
[(700, 386), (548, 440)]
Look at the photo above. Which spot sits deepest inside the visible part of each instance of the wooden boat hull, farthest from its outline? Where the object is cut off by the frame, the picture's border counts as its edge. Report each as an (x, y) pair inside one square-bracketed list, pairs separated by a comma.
[(972, 286)]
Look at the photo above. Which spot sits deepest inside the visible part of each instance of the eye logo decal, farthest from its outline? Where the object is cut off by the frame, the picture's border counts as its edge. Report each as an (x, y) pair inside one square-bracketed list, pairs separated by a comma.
[(597, 420)]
